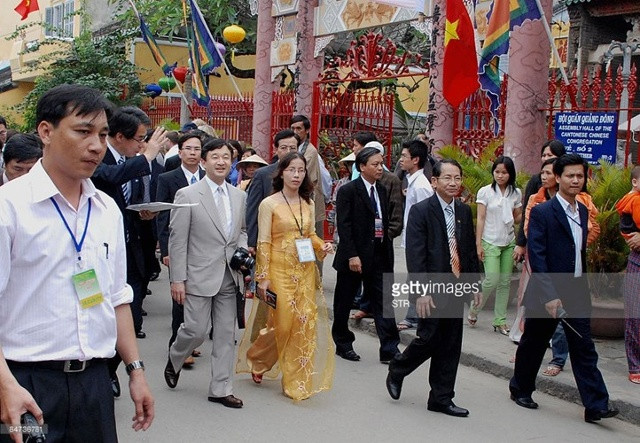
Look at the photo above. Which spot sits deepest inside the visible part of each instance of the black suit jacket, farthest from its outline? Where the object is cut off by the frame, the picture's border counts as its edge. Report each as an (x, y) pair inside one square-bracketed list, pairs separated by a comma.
[(168, 184), (552, 258), (427, 244), (261, 188), (172, 163), (109, 177), (356, 226)]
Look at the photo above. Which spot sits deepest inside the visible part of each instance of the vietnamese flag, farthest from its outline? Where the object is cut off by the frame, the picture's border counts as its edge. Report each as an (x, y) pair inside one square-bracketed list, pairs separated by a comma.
[(26, 7), (460, 66)]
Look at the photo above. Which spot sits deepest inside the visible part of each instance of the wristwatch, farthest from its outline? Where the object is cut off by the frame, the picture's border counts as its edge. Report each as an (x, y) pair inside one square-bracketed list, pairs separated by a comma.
[(136, 364)]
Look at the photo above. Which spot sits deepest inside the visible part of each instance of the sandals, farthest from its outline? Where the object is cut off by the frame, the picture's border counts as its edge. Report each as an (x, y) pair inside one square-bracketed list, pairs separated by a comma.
[(472, 319), (404, 325), (257, 378), (360, 315), (552, 371), (634, 378)]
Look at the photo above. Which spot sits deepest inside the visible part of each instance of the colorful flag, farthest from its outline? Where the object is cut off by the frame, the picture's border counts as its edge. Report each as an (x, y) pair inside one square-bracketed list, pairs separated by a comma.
[(154, 48), (460, 66), (26, 7), (504, 16), (209, 57), (199, 89)]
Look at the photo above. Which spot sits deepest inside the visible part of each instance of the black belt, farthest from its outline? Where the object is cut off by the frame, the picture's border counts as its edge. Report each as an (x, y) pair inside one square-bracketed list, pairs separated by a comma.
[(57, 365)]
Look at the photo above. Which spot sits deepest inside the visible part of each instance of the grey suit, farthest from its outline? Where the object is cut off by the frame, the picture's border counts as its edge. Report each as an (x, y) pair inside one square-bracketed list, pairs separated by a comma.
[(200, 251)]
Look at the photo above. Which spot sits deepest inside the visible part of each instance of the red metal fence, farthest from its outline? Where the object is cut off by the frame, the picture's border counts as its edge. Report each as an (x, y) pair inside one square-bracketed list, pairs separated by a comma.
[(230, 117), (474, 126), (282, 109)]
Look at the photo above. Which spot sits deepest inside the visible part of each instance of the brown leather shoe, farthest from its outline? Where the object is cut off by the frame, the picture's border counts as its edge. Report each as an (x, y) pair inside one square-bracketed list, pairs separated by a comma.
[(229, 401)]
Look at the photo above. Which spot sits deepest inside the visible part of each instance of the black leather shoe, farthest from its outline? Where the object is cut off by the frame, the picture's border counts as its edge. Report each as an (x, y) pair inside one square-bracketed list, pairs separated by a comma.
[(525, 402), (154, 276), (141, 334), (115, 385), (170, 375), (591, 416), (229, 401), (451, 409), (394, 386), (348, 355)]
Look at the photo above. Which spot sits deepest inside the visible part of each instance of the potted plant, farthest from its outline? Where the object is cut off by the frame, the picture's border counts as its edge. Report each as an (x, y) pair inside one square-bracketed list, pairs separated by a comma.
[(607, 255)]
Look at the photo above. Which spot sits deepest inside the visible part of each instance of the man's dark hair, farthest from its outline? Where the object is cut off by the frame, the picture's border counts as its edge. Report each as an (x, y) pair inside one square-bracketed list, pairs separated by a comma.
[(64, 100), (173, 136), (437, 168), (364, 137), (363, 156), (213, 144), (3, 121), (126, 121), (22, 147), (555, 146), (417, 148), (306, 187), (188, 136), (287, 133), (569, 160), (301, 118)]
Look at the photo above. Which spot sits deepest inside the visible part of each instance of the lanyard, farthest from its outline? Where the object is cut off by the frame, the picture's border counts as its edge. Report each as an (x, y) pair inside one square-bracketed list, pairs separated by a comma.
[(294, 217), (77, 245)]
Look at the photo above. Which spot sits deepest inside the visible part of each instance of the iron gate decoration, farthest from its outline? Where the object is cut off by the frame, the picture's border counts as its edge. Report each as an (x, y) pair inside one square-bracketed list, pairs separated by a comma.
[(358, 93)]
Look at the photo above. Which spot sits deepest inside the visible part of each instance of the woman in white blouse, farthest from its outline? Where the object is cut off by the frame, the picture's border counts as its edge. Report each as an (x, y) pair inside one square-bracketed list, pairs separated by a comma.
[(499, 208)]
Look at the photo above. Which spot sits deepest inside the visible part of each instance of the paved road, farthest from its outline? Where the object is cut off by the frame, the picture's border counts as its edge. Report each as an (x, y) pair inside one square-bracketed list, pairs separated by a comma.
[(358, 407)]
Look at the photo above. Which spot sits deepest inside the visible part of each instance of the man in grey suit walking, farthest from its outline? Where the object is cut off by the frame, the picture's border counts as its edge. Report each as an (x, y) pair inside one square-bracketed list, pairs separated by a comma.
[(202, 240)]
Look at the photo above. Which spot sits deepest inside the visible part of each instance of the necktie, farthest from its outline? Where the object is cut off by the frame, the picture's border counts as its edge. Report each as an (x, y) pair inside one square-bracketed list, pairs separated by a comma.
[(194, 180), (372, 195), (453, 245), (126, 191), (222, 210), (146, 181)]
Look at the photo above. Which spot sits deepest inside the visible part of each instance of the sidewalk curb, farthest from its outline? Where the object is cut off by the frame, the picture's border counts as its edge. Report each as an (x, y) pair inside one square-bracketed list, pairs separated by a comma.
[(549, 385)]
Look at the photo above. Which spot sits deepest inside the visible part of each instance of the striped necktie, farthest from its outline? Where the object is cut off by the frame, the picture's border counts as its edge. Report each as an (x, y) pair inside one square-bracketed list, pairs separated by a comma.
[(126, 190), (453, 245)]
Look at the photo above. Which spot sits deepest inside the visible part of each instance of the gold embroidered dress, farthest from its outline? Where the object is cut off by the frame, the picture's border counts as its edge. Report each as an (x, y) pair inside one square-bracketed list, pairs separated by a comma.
[(297, 338)]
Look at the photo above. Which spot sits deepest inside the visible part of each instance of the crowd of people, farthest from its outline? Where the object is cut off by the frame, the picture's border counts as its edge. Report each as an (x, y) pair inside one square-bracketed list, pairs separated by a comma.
[(76, 177)]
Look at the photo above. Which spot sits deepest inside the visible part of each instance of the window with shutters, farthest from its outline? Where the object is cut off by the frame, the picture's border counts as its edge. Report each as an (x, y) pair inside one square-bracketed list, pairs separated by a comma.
[(59, 20)]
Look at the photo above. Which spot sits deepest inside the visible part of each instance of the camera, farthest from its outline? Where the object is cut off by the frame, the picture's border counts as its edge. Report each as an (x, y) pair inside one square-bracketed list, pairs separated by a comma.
[(242, 261)]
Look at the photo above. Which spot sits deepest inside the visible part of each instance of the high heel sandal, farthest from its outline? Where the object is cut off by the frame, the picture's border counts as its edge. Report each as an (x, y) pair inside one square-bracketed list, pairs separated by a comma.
[(472, 319), (257, 378), (502, 329)]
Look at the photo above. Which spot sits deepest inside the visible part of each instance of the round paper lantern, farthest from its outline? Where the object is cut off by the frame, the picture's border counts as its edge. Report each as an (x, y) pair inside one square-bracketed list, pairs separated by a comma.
[(167, 83), (221, 48), (234, 34), (153, 90), (180, 73)]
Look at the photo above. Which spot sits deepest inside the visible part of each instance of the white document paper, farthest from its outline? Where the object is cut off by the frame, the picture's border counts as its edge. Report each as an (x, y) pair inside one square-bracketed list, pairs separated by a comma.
[(159, 206)]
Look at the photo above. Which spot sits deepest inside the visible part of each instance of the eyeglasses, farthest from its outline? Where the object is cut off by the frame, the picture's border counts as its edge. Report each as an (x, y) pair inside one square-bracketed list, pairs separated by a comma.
[(289, 147), (449, 179), (191, 148), (139, 139), (293, 171)]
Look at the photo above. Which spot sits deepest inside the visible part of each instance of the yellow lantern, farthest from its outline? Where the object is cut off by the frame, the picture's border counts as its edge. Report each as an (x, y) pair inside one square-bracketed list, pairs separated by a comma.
[(233, 34)]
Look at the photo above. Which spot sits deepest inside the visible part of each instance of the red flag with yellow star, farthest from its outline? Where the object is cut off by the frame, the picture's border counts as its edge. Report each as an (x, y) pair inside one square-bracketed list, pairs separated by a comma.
[(26, 7), (460, 66)]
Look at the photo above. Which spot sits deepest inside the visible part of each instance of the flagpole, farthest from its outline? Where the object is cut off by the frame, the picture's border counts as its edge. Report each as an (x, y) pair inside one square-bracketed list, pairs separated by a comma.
[(556, 55)]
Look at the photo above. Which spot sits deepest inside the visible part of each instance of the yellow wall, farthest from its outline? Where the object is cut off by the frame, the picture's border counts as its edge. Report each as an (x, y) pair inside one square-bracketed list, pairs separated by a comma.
[(11, 98)]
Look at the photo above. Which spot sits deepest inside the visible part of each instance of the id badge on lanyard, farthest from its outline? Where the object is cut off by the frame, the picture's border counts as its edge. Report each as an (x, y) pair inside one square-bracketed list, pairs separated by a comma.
[(305, 250)]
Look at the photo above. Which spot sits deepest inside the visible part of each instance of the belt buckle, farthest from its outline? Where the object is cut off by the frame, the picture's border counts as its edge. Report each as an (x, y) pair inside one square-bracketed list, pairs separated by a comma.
[(71, 366)]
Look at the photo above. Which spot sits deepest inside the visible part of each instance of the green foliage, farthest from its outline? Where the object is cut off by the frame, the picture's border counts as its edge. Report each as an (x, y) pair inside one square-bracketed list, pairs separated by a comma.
[(608, 253), (101, 63)]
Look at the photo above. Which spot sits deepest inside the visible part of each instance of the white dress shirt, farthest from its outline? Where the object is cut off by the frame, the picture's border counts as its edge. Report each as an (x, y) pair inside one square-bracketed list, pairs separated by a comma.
[(223, 194), (573, 218), (498, 222), (40, 314), (418, 189), (189, 175)]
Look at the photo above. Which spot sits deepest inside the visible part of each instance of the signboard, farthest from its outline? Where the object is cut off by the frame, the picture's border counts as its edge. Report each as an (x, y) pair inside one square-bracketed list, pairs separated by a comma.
[(592, 135)]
